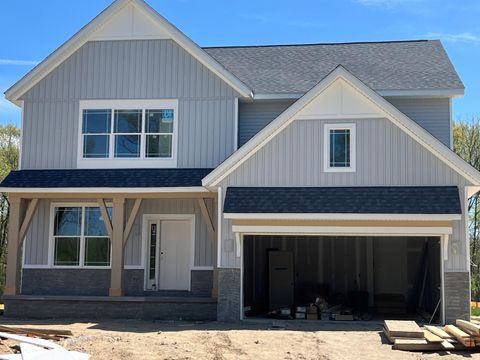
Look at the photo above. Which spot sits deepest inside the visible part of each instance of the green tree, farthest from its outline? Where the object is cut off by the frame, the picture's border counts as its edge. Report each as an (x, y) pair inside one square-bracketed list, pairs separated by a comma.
[(466, 143), (9, 155)]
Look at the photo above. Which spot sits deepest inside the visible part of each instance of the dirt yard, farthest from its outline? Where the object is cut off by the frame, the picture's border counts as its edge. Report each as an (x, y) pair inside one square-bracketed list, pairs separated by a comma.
[(128, 339)]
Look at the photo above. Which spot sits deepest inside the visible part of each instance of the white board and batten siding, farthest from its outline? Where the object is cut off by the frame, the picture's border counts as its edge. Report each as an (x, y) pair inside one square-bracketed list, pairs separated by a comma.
[(129, 69), (385, 156), (36, 247)]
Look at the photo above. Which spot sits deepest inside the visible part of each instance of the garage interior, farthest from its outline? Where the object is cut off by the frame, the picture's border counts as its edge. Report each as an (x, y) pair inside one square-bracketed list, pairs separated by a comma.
[(364, 277)]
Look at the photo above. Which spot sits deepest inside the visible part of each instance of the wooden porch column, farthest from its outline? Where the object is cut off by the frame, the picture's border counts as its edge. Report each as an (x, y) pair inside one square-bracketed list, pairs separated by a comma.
[(116, 277), (14, 254)]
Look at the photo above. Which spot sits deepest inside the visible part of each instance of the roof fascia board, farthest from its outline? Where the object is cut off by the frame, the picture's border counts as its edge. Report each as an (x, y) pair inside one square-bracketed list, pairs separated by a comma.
[(82, 36), (106, 190), (391, 112), (423, 93), (342, 216), (454, 93)]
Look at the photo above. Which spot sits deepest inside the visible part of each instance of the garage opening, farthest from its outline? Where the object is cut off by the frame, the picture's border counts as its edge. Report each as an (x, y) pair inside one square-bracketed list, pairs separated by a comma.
[(341, 277)]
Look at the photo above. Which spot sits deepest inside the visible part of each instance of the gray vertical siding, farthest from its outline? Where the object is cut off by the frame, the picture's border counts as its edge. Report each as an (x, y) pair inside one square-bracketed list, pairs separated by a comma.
[(130, 69), (36, 242), (254, 116), (433, 114), (385, 156), (203, 244)]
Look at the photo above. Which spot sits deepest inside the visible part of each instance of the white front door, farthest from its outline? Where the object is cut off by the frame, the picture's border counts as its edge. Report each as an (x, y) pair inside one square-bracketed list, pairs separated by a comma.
[(169, 251), (175, 255)]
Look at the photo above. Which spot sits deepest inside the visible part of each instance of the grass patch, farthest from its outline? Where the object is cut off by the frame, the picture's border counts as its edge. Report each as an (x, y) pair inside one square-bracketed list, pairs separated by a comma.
[(475, 311)]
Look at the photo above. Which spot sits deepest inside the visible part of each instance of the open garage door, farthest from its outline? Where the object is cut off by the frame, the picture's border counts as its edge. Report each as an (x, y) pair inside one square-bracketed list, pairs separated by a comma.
[(348, 277)]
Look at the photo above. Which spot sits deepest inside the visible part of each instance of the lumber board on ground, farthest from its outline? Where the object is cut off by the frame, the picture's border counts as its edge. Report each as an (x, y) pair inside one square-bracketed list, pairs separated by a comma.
[(401, 328), (470, 327), (29, 340), (438, 331), (432, 338), (447, 345), (416, 345), (52, 332), (29, 332), (460, 335)]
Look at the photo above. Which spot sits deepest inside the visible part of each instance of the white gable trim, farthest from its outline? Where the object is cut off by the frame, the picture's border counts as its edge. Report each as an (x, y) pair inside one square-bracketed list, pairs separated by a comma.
[(87, 32), (384, 107)]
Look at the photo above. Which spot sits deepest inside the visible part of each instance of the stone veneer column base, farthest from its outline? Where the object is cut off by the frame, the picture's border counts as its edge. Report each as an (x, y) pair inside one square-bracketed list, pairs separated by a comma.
[(457, 296), (228, 301)]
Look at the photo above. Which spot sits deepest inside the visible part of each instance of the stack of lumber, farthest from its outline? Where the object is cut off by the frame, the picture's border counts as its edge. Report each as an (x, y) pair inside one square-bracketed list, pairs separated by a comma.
[(38, 344), (408, 336)]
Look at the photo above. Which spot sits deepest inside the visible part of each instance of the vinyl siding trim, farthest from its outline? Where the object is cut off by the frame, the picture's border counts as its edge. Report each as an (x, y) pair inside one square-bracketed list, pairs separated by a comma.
[(452, 93)]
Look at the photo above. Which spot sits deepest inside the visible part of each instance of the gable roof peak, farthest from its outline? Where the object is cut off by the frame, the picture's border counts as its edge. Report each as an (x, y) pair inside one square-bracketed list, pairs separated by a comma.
[(371, 97), (85, 34)]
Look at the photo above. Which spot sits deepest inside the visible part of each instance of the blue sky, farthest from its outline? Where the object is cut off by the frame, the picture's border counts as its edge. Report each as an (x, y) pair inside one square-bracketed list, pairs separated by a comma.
[(32, 29)]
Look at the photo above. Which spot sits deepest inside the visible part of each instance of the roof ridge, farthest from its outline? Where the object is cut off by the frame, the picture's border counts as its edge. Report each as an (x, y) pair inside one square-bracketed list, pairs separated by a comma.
[(318, 44)]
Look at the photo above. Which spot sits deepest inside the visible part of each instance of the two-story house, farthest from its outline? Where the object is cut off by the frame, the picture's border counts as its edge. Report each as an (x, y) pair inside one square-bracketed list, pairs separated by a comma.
[(159, 179)]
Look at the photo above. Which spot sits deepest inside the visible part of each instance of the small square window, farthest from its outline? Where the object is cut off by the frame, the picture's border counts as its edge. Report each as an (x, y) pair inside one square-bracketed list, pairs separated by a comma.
[(339, 148)]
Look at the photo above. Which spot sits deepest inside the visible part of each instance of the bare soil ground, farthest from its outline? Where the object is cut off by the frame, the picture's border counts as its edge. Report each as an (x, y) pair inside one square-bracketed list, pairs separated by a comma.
[(135, 339)]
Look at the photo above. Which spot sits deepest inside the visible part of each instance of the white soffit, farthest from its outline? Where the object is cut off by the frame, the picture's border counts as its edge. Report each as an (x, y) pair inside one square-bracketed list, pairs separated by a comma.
[(340, 95)]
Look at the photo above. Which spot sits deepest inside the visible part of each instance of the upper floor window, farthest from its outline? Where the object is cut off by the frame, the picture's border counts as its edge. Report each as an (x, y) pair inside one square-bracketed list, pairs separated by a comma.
[(144, 130), (339, 148)]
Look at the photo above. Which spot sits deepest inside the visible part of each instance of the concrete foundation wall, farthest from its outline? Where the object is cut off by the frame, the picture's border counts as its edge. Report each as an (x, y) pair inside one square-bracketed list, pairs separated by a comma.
[(228, 302), (457, 296)]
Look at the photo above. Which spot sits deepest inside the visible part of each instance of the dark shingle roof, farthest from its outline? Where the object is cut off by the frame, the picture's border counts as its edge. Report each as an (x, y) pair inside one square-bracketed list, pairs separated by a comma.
[(361, 200), (105, 178), (395, 65)]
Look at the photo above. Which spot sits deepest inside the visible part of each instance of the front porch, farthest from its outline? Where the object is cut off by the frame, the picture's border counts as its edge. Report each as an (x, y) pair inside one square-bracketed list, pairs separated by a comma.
[(121, 253)]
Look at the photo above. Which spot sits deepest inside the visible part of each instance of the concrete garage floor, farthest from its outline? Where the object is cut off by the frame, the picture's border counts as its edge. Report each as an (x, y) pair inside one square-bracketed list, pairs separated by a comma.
[(131, 339)]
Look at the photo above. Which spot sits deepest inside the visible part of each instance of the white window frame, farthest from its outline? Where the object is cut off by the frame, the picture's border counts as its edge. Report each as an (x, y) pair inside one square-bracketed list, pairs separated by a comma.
[(133, 162), (51, 237), (326, 147)]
